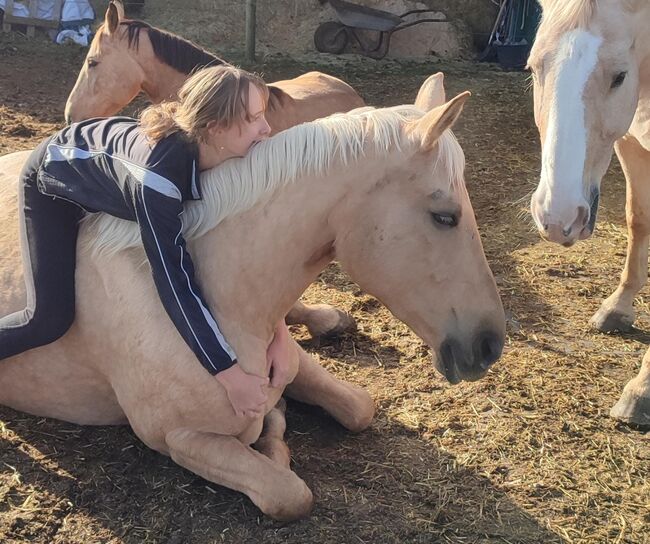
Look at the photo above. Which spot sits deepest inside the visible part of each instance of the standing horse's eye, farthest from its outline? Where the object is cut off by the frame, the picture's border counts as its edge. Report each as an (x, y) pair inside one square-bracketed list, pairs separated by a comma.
[(618, 80), (445, 219), (92, 63)]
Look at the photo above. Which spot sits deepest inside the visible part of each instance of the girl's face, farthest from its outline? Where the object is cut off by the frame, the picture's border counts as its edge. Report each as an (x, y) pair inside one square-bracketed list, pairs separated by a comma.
[(239, 138)]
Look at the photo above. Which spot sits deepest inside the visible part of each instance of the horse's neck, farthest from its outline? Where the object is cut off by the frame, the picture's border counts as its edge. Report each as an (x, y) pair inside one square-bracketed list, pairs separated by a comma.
[(642, 38), (640, 127), (254, 266), (161, 82)]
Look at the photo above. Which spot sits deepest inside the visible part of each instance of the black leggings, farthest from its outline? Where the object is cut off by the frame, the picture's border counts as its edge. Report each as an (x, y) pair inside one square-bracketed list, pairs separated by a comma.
[(49, 229)]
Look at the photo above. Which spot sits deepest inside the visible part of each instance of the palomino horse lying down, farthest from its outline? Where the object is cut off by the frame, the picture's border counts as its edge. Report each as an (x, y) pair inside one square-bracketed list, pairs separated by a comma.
[(591, 66), (380, 190), (129, 57)]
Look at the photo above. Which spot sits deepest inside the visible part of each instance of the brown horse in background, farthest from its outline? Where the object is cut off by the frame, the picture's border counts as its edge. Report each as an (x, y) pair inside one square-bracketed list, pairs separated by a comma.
[(128, 57)]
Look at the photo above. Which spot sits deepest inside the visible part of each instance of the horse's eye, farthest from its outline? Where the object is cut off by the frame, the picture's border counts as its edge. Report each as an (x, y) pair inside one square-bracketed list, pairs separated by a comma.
[(92, 63), (445, 219), (618, 80)]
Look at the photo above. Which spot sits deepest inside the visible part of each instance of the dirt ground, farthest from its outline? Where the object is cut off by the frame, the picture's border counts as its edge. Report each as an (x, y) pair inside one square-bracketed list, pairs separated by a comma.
[(527, 455)]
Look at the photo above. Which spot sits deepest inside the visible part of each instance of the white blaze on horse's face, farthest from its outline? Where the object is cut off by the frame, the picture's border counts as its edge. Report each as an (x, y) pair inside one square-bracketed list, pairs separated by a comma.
[(585, 92), (109, 78)]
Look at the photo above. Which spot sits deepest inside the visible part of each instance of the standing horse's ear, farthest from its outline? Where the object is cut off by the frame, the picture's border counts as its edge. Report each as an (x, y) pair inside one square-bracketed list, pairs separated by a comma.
[(432, 93), (433, 124), (111, 19)]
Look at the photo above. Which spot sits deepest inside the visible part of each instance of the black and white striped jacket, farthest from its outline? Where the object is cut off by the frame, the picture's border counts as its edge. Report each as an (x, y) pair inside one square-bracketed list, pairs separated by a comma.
[(108, 165)]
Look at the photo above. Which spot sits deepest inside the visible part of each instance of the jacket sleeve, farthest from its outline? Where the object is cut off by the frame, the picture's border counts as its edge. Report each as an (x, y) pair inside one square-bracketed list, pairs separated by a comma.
[(158, 212)]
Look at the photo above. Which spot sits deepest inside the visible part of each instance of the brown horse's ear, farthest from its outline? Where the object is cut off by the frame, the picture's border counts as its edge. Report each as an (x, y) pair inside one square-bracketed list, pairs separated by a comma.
[(120, 9), (432, 93), (433, 124), (111, 19)]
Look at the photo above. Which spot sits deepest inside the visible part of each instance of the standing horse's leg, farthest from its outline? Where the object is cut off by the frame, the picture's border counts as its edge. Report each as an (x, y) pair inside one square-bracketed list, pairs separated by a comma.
[(634, 404), (271, 442), (273, 488), (617, 311), (349, 404), (320, 319)]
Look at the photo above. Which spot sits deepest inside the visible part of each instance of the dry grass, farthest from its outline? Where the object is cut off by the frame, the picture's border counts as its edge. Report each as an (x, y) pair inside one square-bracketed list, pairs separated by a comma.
[(527, 455)]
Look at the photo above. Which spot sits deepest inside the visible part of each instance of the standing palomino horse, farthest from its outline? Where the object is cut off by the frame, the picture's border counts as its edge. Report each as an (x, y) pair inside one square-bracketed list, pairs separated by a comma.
[(591, 71), (128, 57), (380, 190)]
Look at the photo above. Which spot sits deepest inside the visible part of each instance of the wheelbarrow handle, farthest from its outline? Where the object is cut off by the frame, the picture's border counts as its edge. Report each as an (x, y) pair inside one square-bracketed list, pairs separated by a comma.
[(413, 23), (418, 11)]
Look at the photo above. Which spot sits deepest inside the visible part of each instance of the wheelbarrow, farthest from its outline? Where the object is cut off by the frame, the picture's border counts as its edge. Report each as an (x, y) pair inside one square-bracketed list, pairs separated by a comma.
[(333, 36)]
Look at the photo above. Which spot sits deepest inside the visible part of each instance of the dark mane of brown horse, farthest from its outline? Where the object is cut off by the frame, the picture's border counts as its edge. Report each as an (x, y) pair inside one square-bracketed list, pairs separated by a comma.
[(182, 54)]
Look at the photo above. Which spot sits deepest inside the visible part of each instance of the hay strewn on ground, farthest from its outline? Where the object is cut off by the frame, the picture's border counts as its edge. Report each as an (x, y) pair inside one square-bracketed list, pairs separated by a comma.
[(527, 455)]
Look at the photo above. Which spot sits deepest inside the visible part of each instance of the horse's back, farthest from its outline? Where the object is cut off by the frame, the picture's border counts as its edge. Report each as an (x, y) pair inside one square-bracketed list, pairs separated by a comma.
[(310, 96), (12, 294), (313, 84), (46, 381), (121, 354)]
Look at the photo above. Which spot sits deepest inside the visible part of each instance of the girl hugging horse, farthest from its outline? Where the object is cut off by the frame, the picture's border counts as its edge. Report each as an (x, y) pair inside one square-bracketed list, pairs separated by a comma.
[(141, 171)]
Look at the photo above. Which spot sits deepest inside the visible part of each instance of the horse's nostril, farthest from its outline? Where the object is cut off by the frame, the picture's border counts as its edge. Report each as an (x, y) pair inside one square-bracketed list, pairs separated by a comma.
[(583, 216), (487, 349), (545, 227), (567, 231)]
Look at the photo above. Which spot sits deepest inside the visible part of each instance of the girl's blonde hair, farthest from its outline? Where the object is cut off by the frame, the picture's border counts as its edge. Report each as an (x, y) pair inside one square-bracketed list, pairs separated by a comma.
[(218, 93)]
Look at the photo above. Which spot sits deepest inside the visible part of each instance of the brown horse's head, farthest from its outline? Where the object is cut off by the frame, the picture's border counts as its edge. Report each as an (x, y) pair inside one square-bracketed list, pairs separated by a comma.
[(110, 77), (128, 57)]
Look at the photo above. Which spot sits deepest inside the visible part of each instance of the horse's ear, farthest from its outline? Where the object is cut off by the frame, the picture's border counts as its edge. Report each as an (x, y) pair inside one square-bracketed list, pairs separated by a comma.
[(430, 127), (432, 93), (119, 5), (111, 19)]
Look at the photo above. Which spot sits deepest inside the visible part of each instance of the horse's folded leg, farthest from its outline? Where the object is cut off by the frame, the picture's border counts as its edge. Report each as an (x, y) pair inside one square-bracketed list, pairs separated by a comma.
[(349, 404), (320, 319), (274, 489), (271, 443)]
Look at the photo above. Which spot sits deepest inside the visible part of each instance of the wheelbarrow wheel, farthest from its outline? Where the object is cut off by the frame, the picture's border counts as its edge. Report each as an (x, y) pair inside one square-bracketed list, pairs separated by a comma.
[(330, 37)]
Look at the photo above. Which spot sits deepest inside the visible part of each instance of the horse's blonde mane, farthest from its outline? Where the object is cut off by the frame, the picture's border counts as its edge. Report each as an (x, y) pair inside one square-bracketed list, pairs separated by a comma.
[(308, 149)]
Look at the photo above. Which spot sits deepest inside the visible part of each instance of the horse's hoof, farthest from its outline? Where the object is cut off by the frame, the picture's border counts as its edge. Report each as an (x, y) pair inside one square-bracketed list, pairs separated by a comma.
[(610, 321), (291, 503), (360, 410), (632, 409), (343, 323)]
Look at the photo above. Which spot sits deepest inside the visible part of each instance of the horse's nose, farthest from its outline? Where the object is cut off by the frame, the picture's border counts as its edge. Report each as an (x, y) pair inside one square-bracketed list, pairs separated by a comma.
[(567, 235), (487, 349), (470, 361), (67, 118)]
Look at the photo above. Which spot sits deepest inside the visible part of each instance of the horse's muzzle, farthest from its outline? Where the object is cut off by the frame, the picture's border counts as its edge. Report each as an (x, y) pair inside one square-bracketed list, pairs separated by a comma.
[(457, 363)]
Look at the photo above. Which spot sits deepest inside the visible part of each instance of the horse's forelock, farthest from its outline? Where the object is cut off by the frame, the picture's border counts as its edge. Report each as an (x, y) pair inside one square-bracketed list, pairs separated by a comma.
[(566, 15)]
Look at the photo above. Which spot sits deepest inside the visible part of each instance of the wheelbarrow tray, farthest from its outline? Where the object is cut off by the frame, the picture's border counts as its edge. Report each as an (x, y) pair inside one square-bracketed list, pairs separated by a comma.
[(365, 18)]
